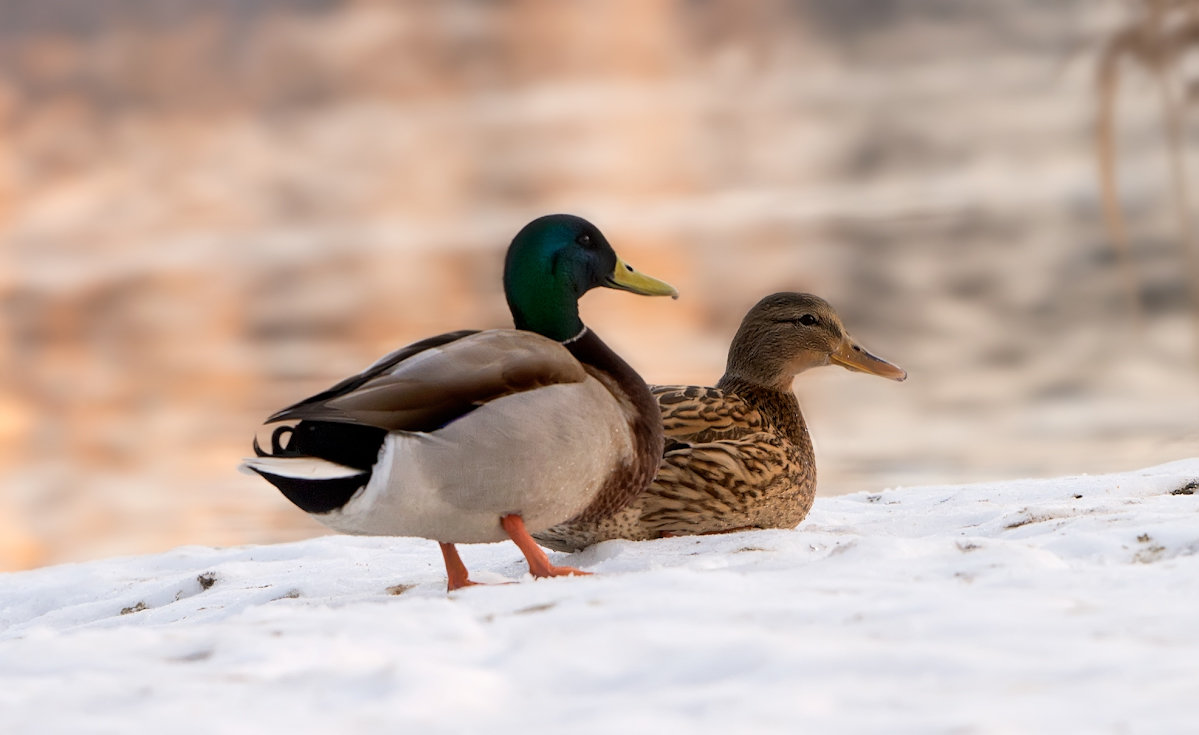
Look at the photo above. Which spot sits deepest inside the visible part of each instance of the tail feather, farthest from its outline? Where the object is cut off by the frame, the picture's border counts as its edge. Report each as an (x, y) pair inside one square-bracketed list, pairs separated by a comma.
[(321, 466), (300, 468), (315, 485), (318, 465)]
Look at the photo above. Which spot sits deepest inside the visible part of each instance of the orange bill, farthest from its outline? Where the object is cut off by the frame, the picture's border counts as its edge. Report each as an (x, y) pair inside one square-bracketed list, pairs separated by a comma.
[(851, 356)]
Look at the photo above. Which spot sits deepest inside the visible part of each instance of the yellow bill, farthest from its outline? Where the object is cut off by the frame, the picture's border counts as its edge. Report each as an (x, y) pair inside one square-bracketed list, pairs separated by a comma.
[(624, 278)]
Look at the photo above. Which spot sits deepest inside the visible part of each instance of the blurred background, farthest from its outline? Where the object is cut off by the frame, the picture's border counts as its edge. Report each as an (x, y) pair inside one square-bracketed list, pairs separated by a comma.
[(211, 210)]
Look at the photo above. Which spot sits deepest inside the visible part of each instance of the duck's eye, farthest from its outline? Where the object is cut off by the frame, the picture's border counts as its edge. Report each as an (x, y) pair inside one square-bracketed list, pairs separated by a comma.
[(808, 320), (584, 239)]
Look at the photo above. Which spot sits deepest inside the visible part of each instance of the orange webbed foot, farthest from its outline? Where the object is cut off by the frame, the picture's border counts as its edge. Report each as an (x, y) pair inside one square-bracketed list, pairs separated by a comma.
[(552, 571), (539, 563), (456, 574)]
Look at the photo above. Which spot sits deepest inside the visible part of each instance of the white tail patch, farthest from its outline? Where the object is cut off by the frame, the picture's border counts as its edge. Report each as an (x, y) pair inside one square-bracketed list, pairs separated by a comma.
[(301, 468)]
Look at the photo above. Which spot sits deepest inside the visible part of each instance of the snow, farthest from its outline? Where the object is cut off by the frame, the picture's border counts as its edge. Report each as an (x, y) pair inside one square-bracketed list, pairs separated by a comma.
[(1059, 605)]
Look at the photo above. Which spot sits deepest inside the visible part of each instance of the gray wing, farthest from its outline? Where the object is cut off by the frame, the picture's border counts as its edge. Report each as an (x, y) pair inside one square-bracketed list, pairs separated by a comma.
[(430, 383)]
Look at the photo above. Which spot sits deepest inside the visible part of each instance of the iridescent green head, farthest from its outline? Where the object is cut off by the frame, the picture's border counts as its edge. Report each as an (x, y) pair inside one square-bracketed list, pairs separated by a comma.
[(556, 259)]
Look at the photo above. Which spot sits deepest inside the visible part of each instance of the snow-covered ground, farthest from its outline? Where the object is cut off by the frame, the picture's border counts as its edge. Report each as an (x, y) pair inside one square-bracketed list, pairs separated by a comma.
[(1062, 605)]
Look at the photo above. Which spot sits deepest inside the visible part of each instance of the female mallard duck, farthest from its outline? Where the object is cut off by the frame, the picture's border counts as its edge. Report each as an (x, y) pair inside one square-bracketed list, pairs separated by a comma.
[(737, 456), (479, 436)]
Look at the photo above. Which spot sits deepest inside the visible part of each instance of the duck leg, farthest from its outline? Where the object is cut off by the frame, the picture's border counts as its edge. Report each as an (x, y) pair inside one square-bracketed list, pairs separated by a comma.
[(539, 563), (454, 568)]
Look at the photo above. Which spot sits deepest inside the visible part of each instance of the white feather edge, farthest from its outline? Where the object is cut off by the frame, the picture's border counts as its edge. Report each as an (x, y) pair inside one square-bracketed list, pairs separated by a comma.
[(301, 468)]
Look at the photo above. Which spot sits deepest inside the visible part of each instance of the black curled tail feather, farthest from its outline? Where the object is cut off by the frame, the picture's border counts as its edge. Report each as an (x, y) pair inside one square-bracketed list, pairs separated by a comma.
[(349, 445), (277, 448), (352, 445), (276, 436)]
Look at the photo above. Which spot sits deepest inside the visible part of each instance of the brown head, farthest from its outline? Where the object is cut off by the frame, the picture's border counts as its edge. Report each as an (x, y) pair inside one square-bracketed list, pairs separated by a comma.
[(787, 333)]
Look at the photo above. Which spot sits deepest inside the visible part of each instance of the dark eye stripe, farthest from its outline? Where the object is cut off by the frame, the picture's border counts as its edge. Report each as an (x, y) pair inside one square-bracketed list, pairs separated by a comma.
[(807, 320)]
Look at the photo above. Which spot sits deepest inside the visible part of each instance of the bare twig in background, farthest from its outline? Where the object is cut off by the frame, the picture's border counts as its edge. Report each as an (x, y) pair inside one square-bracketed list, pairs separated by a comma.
[(1120, 45), (1155, 40)]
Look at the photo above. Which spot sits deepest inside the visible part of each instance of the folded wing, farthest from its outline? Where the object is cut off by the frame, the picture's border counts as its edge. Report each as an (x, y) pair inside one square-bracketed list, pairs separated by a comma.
[(692, 413), (431, 383)]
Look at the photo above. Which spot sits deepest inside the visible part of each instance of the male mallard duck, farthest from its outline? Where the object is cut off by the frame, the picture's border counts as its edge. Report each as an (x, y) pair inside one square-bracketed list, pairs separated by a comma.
[(479, 436), (737, 456)]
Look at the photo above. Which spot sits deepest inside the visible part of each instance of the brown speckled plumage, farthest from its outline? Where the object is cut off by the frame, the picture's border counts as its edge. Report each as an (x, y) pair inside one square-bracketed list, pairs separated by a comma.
[(738, 455)]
